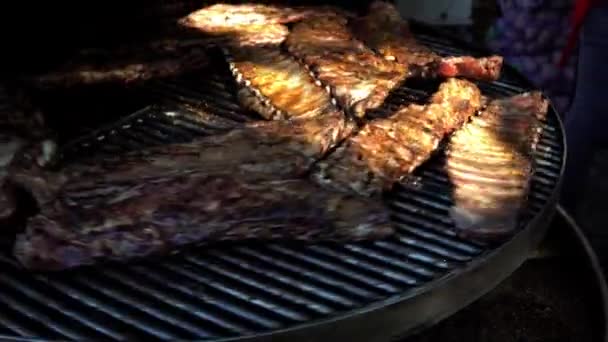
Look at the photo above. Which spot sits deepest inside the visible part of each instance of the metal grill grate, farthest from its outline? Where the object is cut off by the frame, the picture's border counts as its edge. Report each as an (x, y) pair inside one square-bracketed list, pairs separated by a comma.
[(238, 289)]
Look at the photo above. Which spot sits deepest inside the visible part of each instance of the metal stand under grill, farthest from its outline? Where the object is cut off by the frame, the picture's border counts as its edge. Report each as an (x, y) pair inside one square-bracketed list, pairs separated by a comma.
[(293, 291)]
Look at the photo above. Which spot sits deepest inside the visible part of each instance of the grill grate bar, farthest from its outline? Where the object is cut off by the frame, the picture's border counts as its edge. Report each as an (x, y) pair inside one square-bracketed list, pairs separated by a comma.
[(142, 141), (59, 308), (437, 237), (356, 285), (150, 133), (391, 276), (214, 102), (194, 129), (199, 117), (414, 242), (413, 209), (438, 207), (404, 221), (418, 257), (170, 299), (240, 308), (32, 311), (327, 290), (377, 255), (256, 297), (168, 128), (10, 323), (215, 315), (288, 284), (142, 327), (137, 301)]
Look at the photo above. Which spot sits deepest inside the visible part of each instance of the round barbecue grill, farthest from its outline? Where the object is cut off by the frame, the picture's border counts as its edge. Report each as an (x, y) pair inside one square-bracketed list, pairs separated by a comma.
[(358, 291)]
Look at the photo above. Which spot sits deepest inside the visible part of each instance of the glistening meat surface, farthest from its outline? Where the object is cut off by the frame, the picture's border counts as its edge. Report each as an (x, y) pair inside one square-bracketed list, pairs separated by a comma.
[(276, 86), (490, 165), (250, 24), (387, 149), (358, 78)]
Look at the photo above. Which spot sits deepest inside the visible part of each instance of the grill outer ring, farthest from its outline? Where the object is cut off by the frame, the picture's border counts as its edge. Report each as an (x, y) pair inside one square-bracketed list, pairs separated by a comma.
[(428, 304)]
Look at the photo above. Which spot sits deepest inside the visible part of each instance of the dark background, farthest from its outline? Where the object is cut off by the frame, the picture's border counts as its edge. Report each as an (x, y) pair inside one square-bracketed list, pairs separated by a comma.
[(36, 33)]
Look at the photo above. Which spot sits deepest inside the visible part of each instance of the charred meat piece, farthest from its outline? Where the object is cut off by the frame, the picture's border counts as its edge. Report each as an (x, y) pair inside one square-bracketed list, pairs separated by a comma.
[(359, 79), (126, 64), (489, 163), (277, 86), (387, 149), (385, 31), (136, 219), (269, 149)]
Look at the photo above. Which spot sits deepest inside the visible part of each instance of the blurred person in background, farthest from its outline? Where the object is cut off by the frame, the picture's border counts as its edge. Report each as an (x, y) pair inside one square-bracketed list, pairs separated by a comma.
[(585, 121), (562, 47), (531, 35)]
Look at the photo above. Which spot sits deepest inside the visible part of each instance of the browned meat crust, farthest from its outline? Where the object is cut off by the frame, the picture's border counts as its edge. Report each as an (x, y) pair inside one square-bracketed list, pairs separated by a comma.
[(222, 19), (251, 24), (385, 150), (158, 59), (276, 86), (269, 149), (136, 219), (489, 163), (357, 78), (385, 31)]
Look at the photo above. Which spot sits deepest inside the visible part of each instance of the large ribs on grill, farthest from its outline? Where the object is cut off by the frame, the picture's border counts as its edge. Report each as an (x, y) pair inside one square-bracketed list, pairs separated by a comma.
[(129, 219), (490, 165), (387, 149), (268, 149), (275, 85), (359, 79), (385, 31)]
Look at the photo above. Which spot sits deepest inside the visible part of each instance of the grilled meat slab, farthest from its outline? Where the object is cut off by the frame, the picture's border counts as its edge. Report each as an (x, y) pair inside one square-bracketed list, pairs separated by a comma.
[(251, 24), (489, 163), (385, 31), (359, 79), (136, 219), (221, 19), (127, 64), (387, 149), (255, 35), (269, 149), (277, 86)]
